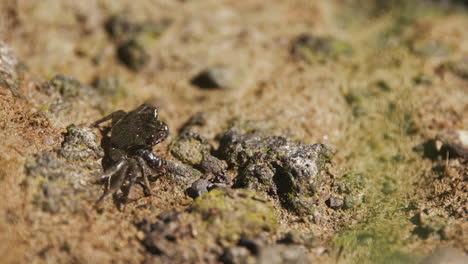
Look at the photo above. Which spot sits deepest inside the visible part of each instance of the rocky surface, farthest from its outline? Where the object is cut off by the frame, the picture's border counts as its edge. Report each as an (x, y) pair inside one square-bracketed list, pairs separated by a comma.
[(250, 177)]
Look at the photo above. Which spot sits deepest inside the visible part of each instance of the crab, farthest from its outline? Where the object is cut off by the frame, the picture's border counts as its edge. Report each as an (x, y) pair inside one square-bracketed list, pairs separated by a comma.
[(128, 149)]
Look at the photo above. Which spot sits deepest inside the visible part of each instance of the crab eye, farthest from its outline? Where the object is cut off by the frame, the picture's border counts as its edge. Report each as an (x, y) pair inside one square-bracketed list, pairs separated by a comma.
[(155, 113)]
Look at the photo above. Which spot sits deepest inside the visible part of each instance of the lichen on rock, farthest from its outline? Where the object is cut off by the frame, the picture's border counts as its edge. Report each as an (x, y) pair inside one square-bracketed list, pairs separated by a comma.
[(61, 178), (233, 213)]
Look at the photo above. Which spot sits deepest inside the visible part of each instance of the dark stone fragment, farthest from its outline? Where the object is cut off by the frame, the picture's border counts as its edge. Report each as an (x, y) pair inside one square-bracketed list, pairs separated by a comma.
[(133, 55), (452, 143), (253, 245), (213, 165), (181, 173), (235, 255), (198, 188), (215, 78), (335, 202)]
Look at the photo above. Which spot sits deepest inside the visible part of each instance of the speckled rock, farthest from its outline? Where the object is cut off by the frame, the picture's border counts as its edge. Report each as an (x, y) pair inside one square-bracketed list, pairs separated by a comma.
[(65, 85), (235, 213), (9, 77), (198, 188), (80, 143), (190, 147), (181, 173), (62, 178), (276, 165)]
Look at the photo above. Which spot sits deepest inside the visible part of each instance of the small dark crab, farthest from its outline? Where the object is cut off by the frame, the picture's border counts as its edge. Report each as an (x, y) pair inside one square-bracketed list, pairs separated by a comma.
[(128, 149)]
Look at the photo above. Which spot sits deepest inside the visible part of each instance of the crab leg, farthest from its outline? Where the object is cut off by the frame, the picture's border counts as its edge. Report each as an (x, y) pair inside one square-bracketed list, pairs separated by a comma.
[(115, 181), (144, 171), (109, 172), (115, 116)]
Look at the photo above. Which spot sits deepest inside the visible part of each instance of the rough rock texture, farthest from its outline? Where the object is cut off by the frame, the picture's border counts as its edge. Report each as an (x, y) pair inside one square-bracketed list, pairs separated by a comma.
[(190, 147), (276, 165), (231, 214), (9, 76), (57, 177)]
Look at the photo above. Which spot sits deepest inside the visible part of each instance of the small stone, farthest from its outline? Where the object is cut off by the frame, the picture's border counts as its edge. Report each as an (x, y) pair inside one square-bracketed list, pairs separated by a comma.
[(190, 147), (214, 166), (455, 142), (215, 78), (65, 85), (198, 188), (80, 143), (133, 54), (253, 245), (446, 256), (235, 255), (335, 202), (181, 173)]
